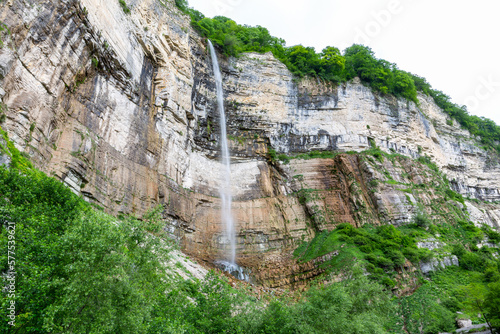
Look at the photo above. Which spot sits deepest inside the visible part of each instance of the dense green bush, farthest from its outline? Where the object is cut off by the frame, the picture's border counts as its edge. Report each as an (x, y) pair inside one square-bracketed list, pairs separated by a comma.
[(278, 318), (384, 249), (422, 220), (422, 312), (284, 158), (471, 233), (493, 236), (77, 268), (472, 261), (381, 75), (458, 250), (124, 6), (450, 194), (354, 306), (426, 160), (492, 303), (233, 39), (193, 306)]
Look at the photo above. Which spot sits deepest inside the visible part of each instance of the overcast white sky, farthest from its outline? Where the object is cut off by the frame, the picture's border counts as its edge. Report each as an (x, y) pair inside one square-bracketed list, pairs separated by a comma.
[(454, 44)]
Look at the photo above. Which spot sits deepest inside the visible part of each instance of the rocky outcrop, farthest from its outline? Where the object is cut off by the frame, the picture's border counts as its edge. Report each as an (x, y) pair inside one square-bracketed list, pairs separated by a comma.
[(461, 323), (484, 214), (470, 328), (436, 264), (122, 108), (430, 244), (444, 259)]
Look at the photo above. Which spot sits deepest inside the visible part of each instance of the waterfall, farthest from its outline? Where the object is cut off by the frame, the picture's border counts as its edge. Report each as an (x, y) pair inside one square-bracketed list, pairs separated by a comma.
[(229, 263), (225, 188)]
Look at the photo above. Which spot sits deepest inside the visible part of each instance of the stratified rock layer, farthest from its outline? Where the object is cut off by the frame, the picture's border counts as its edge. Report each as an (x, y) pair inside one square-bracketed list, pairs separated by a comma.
[(122, 108)]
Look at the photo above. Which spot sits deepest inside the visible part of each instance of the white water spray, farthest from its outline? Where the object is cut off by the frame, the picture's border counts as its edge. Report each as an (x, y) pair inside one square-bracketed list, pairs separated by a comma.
[(225, 188)]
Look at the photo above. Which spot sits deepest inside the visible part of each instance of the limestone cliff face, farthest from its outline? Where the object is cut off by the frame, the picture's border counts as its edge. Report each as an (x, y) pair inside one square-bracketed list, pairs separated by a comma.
[(122, 108)]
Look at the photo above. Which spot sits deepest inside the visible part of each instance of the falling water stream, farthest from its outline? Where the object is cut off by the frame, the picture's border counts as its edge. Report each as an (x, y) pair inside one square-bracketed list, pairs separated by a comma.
[(229, 263)]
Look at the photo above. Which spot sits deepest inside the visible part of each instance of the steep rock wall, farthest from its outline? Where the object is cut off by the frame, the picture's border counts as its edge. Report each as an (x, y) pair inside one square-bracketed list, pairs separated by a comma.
[(122, 108)]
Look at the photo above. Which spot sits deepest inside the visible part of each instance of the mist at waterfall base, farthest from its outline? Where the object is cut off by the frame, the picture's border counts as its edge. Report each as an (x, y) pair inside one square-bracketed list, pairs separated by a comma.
[(229, 263)]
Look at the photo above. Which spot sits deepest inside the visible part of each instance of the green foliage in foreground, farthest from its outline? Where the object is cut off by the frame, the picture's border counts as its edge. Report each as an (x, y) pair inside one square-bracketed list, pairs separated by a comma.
[(334, 66), (357, 305), (77, 269)]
